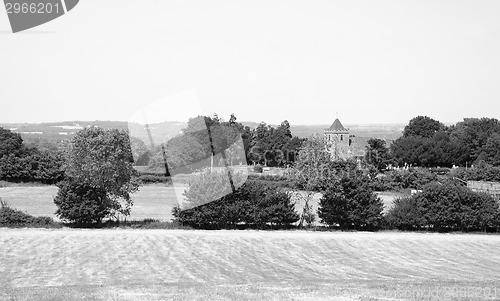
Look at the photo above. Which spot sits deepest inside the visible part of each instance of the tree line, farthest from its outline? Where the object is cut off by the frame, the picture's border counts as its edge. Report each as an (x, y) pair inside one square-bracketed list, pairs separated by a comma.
[(429, 143), (208, 135), (24, 163)]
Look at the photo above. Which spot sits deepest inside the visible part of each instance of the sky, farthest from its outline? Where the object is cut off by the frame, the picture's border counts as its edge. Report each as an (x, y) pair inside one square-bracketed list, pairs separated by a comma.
[(304, 61)]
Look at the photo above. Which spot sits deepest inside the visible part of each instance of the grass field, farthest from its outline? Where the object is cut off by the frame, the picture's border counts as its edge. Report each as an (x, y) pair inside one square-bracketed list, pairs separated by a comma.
[(151, 201), (71, 264)]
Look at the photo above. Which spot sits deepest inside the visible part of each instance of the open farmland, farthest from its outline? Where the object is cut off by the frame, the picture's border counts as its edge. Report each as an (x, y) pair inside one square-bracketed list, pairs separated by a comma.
[(151, 201), (122, 264)]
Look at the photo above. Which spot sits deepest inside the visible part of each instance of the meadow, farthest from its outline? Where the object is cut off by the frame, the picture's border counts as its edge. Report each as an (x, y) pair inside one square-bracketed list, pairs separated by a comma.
[(151, 201), (125, 264)]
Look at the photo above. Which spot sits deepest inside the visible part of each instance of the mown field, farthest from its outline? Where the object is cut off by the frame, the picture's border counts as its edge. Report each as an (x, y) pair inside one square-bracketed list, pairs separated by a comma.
[(118, 264)]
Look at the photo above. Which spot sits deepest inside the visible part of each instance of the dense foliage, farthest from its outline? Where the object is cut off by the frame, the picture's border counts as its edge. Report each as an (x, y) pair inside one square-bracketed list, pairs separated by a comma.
[(480, 172), (427, 142), (445, 207), (378, 155), (204, 135), (20, 163), (255, 204), (349, 203), (273, 146), (10, 217), (99, 176), (413, 178)]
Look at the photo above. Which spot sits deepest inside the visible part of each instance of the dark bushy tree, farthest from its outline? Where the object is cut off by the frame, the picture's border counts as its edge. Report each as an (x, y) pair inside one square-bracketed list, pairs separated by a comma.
[(254, 204), (377, 154), (422, 126), (350, 203), (10, 143), (473, 134), (82, 203), (406, 214), (445, 207)]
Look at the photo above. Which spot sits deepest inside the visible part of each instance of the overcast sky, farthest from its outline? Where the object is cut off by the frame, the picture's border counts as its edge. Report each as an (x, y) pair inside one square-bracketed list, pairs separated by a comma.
[(304, 61)]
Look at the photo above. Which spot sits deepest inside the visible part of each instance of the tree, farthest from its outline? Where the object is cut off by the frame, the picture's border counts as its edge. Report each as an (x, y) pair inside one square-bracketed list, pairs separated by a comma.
[(491, 150), (10, 143), (99, 175), (377, 153), (473, 134), (350, 203), (406, 214), (422, 126)]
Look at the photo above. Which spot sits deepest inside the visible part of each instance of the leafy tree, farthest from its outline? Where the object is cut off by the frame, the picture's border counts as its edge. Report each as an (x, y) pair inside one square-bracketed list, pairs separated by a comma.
[(427, 142), (274, 146), (473, 134), (377, 153), (350, 203), (10, 143), (47, 167), (99, 170), (491, 151), (422, 126)]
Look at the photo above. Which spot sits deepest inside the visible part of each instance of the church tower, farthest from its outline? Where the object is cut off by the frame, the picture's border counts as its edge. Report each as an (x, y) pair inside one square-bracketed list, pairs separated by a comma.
[(338, 140)]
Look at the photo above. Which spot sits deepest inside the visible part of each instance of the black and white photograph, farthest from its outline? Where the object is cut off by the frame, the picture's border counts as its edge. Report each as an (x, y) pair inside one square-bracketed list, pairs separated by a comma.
[(249, 150)]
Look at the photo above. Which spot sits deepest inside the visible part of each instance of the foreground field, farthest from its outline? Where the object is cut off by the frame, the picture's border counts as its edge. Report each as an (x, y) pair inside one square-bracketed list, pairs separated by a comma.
[(246, 265)]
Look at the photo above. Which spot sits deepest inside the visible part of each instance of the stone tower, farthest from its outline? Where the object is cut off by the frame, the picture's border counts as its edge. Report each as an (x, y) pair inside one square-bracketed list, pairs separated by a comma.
[(338, 141)]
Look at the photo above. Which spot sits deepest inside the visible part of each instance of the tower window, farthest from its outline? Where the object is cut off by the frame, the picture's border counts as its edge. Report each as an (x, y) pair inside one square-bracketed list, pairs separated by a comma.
[(341, 137)]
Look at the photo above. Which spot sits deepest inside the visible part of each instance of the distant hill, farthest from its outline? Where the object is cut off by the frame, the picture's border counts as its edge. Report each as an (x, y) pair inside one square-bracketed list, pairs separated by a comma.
[(57, 131)]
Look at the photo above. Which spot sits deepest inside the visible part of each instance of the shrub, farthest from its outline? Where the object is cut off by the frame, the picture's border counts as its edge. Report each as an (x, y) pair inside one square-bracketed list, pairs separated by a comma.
[(10, 217), (404, 179), (349, 203), (445, 207), (480, 172), (82, 203), (254, 205), (406, 214)]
